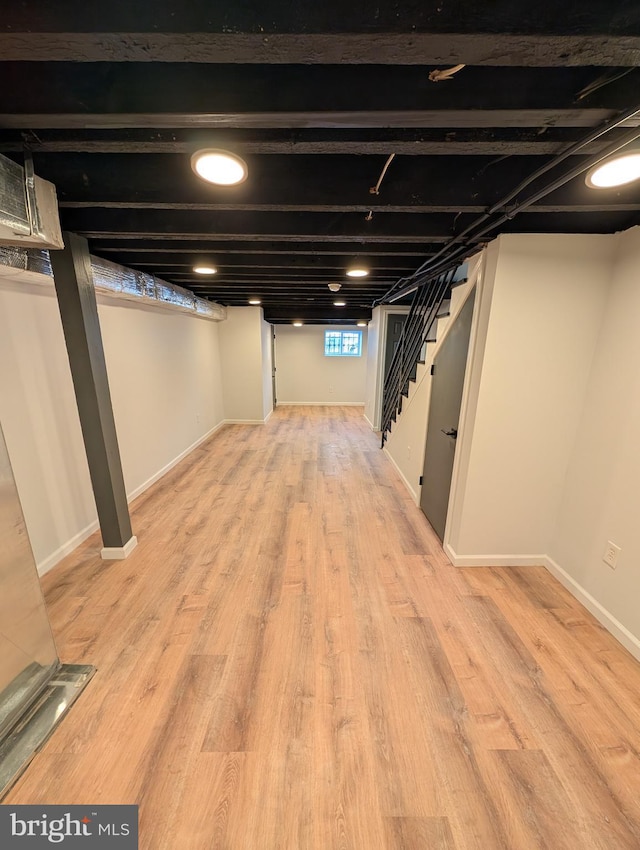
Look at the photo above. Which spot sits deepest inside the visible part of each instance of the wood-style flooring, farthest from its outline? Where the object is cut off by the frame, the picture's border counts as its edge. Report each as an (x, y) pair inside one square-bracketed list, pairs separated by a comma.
[(289, 662)]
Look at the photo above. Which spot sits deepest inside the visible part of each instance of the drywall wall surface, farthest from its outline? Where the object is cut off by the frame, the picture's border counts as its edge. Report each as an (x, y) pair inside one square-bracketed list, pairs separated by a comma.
[(305, 376), (40, 419), (242, 367), (165, 384), (164, 377), (407, 440), (601, 498), (547, 301)]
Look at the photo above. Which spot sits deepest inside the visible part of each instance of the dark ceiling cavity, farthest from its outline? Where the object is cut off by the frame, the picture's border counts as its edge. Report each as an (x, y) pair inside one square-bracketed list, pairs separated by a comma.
[(316, 98)]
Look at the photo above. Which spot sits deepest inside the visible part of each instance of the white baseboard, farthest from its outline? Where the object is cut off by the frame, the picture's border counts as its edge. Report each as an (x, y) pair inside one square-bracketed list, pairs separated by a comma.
[(320, 404), (176, 460), (119, 553), (66, 548), (268, 416), (370, 423), (405, 481), (605, 617), (494, 560), (620, 632), (243, 422)]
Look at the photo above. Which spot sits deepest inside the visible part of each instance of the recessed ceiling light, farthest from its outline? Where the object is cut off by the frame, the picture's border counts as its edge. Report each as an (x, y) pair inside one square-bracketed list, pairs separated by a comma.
[(297, 324), (220, 167), (615, 172), (205, 270), (255, 301), (357, 272), (362, 324), (335, 287), (339, 303)]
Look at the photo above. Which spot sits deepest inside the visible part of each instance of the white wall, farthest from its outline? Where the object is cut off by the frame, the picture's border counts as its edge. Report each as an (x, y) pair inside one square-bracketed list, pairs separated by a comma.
[(242, 365), (406, 442), (305, 376), (546, 309), (164, 374), (601, 498), (165, 382)]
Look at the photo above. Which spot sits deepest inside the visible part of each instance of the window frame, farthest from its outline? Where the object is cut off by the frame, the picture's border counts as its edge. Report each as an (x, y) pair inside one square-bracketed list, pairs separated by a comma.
[(340, 335)]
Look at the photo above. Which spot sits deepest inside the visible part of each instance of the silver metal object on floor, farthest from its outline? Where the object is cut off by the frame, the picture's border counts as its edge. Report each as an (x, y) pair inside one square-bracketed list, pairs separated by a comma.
[(36, 726), (35, 688)]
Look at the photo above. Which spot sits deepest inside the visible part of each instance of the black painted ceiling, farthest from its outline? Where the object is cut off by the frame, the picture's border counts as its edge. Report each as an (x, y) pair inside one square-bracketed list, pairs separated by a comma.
[(113, 98)]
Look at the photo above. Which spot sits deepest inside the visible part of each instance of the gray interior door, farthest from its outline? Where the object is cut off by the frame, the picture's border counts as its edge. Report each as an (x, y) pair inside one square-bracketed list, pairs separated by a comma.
[(273, 365), (395, 323), (444, 414)]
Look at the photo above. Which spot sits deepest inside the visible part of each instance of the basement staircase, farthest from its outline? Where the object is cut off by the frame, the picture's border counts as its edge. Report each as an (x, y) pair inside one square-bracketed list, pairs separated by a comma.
[(430, 306)]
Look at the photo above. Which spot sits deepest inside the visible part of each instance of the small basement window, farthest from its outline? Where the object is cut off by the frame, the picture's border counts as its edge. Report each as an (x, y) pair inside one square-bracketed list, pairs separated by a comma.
[(342, 343)]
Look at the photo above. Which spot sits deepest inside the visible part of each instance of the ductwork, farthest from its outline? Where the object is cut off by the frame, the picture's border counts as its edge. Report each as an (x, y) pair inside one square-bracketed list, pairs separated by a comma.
[(28, 207), (112, 280)]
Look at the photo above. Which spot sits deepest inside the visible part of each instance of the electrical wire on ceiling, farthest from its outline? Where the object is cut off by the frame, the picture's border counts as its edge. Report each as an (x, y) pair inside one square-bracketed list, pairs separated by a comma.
[(439, 76), (436, 76), (450, 255), (375, 190), (601, 81)]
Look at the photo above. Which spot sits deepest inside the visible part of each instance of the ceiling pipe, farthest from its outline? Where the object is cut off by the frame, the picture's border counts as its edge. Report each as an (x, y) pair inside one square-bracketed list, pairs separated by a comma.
[(435, 266)]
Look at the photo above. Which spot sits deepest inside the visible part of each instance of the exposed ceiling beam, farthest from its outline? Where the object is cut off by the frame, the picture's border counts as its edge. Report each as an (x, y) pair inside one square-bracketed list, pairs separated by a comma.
[(414, 48), (355, 241), (275, 249), (280, 224), (378, 141), (599, 204), (450, 119)]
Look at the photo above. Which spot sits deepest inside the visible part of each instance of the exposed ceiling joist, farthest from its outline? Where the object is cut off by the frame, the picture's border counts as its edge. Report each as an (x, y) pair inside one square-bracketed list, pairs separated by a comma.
[(414, 48)]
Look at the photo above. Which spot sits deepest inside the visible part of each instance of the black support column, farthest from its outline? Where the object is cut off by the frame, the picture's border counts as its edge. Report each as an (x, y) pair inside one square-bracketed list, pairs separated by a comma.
[(79, 312)]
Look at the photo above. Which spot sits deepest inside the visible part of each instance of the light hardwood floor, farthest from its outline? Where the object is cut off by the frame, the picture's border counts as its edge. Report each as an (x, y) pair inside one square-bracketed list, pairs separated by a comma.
[(288, 661)]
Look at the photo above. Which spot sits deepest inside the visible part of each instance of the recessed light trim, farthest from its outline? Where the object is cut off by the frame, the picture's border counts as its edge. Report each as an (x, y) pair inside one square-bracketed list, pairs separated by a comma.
[(615, 172), (219, 167), (297, 324), (255, 301), (357, 271), (339, 303), (205, 269)]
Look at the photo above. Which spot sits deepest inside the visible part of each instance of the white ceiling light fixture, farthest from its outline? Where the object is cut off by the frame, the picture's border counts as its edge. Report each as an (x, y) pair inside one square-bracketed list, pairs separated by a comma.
[(339, 303), (335, 287), (255, 301), (205, 270), (297, 324), (219, 167), (615, 172), (357, 272), (362, 324)]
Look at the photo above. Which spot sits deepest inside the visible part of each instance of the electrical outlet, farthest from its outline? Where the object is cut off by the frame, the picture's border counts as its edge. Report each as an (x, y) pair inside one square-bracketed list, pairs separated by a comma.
[(611, 553)]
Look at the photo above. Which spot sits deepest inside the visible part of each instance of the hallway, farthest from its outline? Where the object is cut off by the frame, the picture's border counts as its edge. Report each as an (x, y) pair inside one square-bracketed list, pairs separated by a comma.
[(288, 660)]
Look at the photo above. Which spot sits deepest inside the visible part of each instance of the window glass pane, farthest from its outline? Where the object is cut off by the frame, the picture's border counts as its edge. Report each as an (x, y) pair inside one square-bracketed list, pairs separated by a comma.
[(343, 343), (351, 343), (332, 343)]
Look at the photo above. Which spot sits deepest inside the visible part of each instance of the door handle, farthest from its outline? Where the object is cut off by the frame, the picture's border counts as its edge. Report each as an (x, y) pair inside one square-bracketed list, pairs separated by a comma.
[(452, 432)]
